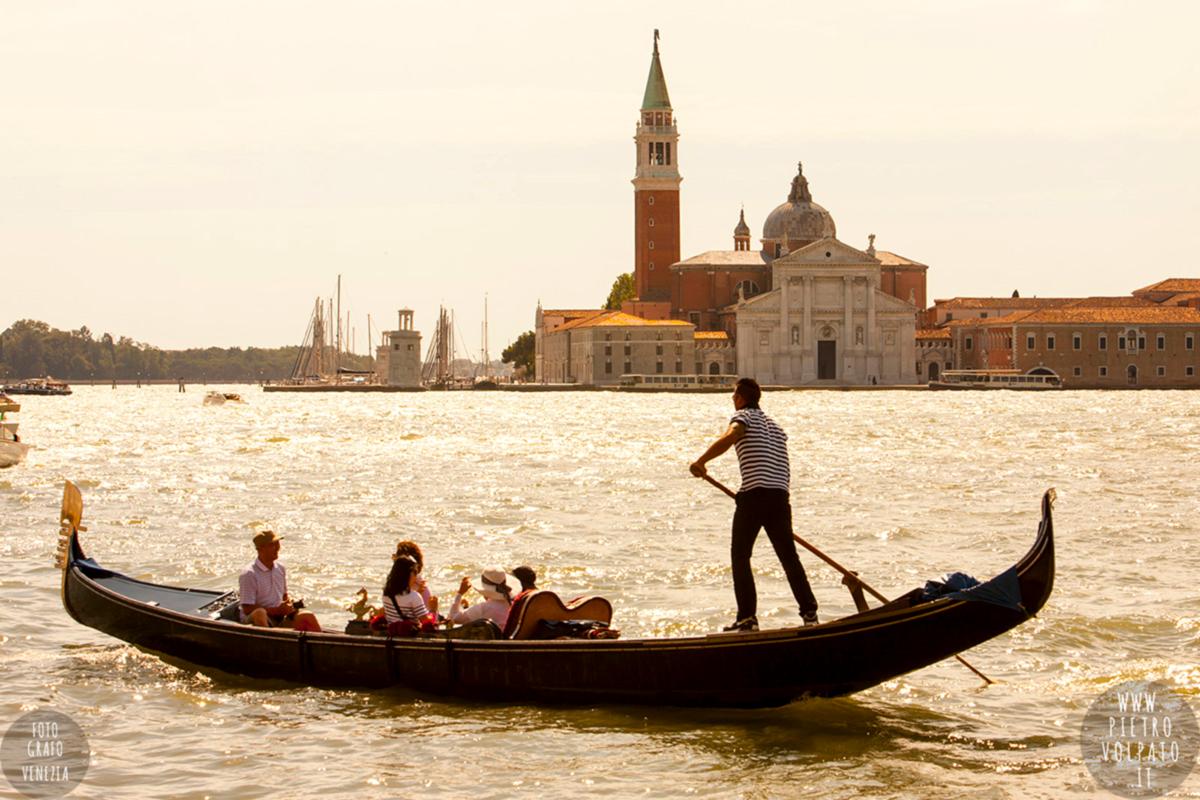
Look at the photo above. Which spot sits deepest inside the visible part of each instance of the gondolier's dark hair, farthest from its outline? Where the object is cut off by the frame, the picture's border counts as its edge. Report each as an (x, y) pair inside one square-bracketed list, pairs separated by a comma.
[(749, 389)]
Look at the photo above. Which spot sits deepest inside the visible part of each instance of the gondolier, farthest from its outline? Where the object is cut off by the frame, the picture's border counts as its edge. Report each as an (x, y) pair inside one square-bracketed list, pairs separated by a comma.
[(762, 502)]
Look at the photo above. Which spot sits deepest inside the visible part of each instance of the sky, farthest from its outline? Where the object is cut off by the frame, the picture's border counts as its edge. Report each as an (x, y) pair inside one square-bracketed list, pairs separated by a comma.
[(197, 173)]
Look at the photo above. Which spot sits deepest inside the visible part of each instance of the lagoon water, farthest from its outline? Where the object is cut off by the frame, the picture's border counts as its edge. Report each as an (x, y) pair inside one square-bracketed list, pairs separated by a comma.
[(592, 490)]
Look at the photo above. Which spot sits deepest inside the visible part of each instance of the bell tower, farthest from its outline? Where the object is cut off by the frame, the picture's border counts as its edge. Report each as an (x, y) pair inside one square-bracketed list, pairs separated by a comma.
[(656, 189)]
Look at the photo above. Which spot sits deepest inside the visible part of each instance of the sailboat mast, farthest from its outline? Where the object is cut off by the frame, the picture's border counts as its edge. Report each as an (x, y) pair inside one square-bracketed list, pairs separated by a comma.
[(339, 321), (486, 360)]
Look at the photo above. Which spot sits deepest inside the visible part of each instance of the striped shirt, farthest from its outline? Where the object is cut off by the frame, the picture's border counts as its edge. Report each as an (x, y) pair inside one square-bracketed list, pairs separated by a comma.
[(411, 607), (762, 452)]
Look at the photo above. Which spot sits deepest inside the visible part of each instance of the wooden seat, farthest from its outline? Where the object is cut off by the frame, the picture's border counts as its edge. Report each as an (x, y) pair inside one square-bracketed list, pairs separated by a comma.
[(536, 607)]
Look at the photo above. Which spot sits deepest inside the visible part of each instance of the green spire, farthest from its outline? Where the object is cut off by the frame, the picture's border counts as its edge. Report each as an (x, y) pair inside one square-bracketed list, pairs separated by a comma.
[(656, 85)]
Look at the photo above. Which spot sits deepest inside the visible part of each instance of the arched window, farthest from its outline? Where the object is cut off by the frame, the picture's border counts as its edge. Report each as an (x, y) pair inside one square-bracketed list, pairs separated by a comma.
[(747, 288)]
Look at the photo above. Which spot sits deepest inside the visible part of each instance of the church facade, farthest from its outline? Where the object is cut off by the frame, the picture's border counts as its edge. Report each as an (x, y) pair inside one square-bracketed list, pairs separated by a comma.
[(826, 321)]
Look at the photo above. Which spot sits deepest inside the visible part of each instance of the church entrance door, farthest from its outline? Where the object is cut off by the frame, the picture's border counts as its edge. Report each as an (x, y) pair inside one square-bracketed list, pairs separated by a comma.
[(933, 370), (826, 360)]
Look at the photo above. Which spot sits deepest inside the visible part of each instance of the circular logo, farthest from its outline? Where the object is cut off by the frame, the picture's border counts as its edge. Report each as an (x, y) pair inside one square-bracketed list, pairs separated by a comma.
[(44, 754), (1139, 739)]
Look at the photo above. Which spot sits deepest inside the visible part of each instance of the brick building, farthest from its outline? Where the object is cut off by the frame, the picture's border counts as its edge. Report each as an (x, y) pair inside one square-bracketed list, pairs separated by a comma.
[(1095, 342)]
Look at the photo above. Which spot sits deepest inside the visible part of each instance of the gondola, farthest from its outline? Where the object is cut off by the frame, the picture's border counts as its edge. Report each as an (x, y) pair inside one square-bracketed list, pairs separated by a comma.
[(759, 669)]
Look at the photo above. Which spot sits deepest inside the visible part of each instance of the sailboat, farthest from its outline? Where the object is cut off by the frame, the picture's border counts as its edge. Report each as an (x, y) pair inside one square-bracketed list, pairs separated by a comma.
[(485, 382)]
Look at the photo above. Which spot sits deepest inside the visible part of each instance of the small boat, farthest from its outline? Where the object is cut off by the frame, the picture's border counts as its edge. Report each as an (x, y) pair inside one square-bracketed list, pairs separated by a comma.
[(677, 383), (12, 449), (221, 398), (38, 386), (756, 669), (996, 379)]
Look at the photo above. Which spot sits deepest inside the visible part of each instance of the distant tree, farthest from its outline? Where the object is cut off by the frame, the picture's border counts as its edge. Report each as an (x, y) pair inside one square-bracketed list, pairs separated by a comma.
[(520, 353), (623, 289), (30, 349)]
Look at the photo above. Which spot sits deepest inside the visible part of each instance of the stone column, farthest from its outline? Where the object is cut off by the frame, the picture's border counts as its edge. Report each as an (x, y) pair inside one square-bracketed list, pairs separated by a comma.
[(848, 285), (807, 371), (868, 338), (784, 317), (806, 335)]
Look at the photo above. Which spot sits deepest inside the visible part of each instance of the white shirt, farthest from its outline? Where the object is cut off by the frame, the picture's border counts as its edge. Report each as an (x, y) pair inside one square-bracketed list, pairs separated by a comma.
[(495, 610), (259, 586)]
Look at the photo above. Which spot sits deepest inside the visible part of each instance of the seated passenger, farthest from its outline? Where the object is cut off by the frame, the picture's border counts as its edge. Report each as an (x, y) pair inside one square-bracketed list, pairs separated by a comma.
[(403, 605), (413, 551), (263, 590), (528, 579), (497, 599)]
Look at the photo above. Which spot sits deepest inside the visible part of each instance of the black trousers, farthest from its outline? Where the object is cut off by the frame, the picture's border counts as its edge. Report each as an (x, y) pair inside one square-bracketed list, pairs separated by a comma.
[(770, 509)]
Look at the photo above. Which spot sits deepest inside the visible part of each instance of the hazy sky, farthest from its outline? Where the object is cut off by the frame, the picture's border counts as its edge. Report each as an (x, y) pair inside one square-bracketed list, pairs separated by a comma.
[(197, 173)]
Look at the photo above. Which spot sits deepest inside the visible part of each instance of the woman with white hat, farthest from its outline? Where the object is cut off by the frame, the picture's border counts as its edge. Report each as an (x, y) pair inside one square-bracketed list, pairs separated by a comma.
[(497, 598)]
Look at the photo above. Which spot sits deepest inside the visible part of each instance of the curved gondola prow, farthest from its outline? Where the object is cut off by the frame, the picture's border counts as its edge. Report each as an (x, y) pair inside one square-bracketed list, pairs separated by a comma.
[(1036, 569)]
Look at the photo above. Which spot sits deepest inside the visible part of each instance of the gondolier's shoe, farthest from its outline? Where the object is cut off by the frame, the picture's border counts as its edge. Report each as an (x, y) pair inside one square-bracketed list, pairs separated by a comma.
[(746, 625), (809, 618)]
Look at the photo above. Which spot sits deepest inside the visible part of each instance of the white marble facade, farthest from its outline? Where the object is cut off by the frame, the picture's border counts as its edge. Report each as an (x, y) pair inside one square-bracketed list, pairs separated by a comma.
[(826, 322)]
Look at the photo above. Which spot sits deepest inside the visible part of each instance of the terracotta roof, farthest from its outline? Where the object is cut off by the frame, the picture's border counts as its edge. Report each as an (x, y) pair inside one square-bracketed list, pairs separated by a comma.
[(1005, 302), (1007, 319), (1149, 315), (1172, 285), (1112, 302), (933, 333), (617, 319), (724, 258), (573, 314), (712, 335), (890, 259)]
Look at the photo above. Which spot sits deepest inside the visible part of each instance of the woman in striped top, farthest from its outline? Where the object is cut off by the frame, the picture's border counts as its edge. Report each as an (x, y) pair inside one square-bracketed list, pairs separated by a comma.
[(762, 502), (403, 606)]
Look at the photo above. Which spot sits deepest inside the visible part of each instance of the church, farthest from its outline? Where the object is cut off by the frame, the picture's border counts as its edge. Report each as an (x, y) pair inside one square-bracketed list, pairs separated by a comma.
[(803, 308)]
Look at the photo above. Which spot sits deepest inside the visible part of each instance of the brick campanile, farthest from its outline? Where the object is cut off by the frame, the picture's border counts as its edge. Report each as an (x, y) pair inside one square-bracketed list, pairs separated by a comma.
[(656, 189)]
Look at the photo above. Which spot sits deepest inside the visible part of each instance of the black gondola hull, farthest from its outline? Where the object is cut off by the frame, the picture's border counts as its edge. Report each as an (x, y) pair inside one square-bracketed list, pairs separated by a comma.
[(765, 668)]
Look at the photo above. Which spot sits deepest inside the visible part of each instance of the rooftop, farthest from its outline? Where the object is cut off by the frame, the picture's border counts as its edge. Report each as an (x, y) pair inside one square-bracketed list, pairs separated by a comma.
[(724, 258), (890, 259), (1172, 285), (619, 319), (934, 333), (720, 335), (1005, 302), (1147, 315)]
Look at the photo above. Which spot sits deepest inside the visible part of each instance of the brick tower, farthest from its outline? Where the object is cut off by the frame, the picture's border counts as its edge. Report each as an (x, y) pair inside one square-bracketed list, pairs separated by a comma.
[(656, 190)]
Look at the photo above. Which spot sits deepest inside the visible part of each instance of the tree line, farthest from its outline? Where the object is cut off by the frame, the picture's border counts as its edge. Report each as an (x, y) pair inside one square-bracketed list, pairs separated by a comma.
[(32, 349)]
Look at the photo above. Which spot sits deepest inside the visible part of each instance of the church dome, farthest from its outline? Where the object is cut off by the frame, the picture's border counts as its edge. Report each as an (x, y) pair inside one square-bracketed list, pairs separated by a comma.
[(799, 221)]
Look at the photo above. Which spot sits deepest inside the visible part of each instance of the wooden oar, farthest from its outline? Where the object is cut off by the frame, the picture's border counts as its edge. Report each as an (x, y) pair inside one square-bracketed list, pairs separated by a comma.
[(851, 576)]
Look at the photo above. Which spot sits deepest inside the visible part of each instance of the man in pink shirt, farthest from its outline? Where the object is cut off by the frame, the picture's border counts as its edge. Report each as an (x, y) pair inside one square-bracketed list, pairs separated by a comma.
[(263, 592)]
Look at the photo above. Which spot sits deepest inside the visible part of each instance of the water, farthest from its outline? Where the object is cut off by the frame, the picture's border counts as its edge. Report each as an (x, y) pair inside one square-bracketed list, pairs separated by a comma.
[(592, 490)]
